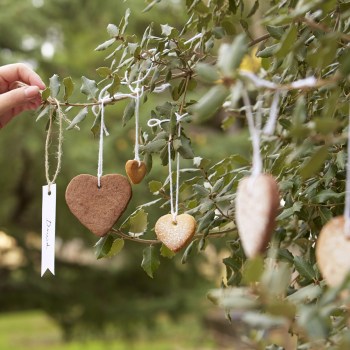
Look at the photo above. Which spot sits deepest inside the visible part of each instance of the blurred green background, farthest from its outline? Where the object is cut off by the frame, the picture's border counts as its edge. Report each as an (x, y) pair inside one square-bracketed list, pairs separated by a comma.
[(90, 304)]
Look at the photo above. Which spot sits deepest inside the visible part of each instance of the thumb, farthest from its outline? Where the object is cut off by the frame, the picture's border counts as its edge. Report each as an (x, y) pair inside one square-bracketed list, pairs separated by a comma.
[(17, 97)]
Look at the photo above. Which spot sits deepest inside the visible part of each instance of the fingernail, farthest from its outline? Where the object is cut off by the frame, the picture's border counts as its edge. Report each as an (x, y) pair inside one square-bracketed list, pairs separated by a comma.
[(31, 92)]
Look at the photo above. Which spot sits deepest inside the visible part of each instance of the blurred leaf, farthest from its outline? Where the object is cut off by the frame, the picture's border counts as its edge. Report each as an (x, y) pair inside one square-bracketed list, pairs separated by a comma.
[(166, 252), (304, 268), (155, 186), (112, 30), (104, 72), (129, 111), (187, 252), (314, 163), (230, 56), (253, 270), (150, 261), (138, 222), (206, 107), (43, 112), (207, 72), (253, 9), (275, 32)]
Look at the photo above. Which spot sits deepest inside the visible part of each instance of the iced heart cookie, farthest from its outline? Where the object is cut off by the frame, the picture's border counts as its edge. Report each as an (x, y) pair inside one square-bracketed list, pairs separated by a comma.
[(333, 252), (135, 170), (98, 208), (257, 203), (175, 236)]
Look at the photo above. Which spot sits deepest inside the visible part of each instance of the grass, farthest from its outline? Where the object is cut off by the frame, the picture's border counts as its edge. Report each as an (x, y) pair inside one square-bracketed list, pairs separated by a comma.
[(35, 331)]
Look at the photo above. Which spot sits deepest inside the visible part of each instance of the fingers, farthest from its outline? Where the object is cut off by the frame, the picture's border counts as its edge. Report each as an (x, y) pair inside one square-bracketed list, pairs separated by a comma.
[(19, 71), (17, 100)]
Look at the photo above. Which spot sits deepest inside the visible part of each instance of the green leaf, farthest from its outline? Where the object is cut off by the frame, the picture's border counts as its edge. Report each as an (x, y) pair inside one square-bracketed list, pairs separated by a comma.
[(326, 195), (253, 9), (104, 72), (129, 111), (268, 51), (183, 146), (103, 246), (314, 163), (54, 85), (166, 252), (78, 118), (304, 268), (168, 31), (287, 42), (230, 56), (115, 85), (112, 30), (187, 253), (275, 32), (44, 111), (138, 222), (155, 186), (105, 45), (116, 247), (154, 146), (253, 270), (68, 88), (206, 107), (89, 87), (46, 94), (150, 261)]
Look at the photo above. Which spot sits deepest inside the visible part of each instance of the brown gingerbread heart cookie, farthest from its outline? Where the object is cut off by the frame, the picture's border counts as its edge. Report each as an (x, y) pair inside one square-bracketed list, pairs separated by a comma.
[(98, 208), (135, 170)]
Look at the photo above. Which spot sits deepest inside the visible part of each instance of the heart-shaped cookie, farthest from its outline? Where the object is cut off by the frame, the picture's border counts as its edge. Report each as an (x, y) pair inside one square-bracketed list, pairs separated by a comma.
[(98, 208), (175, 236), (333, 252), (135, 170), (257, 203)]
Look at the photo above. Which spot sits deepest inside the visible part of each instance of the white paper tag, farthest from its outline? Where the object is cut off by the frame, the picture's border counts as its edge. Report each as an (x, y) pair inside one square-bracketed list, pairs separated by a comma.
[(48, 230)]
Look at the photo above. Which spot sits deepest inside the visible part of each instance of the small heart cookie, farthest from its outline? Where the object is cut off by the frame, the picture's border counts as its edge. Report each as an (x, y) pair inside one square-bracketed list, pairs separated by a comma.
[(257, 203), (98, 208), (135, 170), (175, 236), (333, 252)]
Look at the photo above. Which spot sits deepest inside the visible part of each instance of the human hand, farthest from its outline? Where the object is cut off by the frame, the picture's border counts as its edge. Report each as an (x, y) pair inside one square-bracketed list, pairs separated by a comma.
[(14, 99)]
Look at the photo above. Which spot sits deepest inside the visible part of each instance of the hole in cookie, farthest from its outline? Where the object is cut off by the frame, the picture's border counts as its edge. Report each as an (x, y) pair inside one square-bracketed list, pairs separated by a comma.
[(99, 186), (49, 193)]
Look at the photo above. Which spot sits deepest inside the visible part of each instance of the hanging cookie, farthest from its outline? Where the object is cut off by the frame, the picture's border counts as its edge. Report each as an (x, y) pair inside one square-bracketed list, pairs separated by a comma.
[(257, 200), (136, 170), (257, 204), (333, 251), (175, 235), (173, 230), (98, 202), (98, 208)]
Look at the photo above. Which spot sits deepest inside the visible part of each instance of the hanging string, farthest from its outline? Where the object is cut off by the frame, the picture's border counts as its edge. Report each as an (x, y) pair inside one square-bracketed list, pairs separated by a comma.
[(174, 204), (347, 189), (60, 115), (138, 93), (270, 125), (254, 134), (103, 131)]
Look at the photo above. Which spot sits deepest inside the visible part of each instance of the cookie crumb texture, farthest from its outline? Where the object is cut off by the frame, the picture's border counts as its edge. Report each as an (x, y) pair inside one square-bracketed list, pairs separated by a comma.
[(175, 236), (98, 209)]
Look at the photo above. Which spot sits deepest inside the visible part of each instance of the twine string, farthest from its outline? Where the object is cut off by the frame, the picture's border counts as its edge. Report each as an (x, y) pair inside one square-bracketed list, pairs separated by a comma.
[(59, 147)]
